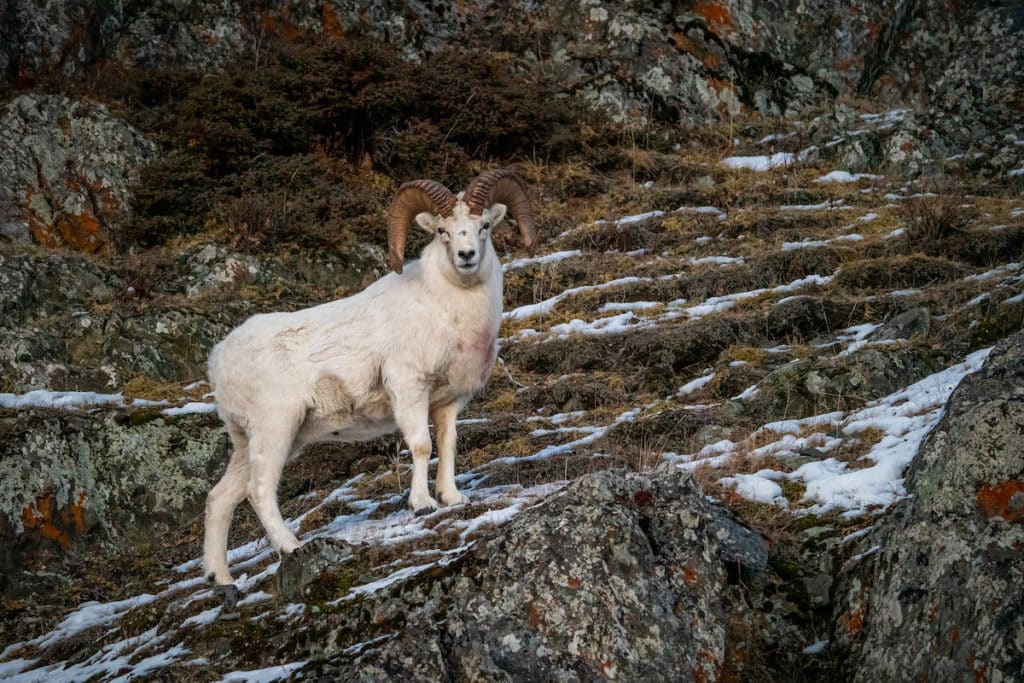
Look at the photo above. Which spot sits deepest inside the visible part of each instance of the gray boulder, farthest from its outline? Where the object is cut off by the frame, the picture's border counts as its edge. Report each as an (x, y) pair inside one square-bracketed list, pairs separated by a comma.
[(935, 590), (622, 576), (78, 477)]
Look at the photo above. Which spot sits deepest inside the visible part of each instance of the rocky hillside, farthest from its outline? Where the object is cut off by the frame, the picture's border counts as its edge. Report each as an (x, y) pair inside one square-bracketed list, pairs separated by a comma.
[(757, 414)]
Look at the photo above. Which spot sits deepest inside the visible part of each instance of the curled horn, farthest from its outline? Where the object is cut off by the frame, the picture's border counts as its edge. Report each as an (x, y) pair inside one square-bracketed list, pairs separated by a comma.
[(413, 197), (503, 185)]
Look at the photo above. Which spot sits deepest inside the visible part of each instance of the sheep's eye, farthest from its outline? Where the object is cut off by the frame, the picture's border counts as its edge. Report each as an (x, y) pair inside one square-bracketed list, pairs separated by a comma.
[(440, 231), (485, 226)]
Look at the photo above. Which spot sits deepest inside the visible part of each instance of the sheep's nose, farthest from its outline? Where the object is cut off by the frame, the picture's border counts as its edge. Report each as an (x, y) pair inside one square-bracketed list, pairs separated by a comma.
[(467, 255)]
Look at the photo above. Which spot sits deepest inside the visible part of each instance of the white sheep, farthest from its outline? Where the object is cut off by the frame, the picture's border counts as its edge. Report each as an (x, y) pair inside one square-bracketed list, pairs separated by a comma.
[(411, 348)]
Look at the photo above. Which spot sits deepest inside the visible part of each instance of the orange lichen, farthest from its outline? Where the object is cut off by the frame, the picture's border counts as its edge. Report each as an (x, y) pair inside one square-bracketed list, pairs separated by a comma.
[(690, 575), (853, 621), (708, 670), (574, 583), (333, 27), (720, 85), (282, 27), (999, 500), (709, 59), (54, 525), (717, 16), (83, 232)]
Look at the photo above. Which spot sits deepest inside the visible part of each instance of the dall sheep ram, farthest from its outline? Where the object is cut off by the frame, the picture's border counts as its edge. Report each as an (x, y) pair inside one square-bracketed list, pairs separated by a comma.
[(411, 348)]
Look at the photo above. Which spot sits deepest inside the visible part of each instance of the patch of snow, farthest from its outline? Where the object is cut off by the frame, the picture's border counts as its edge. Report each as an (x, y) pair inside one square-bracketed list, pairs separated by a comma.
[(544, 307), (760, 163), (636, 218), (546, 258), (756, 488), (90, 614), (720, 260), (628, 306), (203, 618), (906, 417), (815, 648), (846, 177), (807, 244), (695, 385), (394, 577), (831, 204), (706, 210), (491, 517), (750, 392), (42, 398), (191, 408), (278, 672), (610, 325), (1019, 298), (717, 304)]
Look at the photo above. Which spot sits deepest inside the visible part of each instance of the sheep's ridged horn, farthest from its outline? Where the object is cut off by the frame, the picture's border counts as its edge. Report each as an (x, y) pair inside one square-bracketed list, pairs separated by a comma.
[(504, 186), (413, 197)]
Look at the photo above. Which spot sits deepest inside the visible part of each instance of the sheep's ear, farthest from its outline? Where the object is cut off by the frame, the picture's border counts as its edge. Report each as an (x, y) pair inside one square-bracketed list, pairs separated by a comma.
[(497, 213), (427, 221)]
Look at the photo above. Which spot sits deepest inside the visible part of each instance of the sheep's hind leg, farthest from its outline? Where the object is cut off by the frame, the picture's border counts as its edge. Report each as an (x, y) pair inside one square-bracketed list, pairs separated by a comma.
[(220, 507), (411, 415), (444, 425), (269, 449)]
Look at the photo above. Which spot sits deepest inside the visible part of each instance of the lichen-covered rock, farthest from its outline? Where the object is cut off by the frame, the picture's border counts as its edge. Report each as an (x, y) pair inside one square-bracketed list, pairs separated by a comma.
[(688, 63), (65, 172), (936, 591), (213, 267), (101, 349), (95, 477), (813, 386), (34, 286), (623, 576)]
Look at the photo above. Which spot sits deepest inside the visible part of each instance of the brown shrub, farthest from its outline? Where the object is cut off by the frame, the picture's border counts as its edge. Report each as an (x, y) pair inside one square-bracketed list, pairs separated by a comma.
[(897, 272)]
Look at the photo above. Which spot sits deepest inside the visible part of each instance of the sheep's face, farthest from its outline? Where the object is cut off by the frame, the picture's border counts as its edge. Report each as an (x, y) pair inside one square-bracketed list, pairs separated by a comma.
[(466, 238)]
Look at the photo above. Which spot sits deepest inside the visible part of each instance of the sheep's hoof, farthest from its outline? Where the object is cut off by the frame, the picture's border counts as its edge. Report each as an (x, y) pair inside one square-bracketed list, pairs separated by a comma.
[(423, 512), (230, 593), (456, 498)]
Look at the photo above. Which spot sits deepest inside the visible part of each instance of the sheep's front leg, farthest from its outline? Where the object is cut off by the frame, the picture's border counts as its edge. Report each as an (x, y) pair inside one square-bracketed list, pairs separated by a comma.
[(444, 425), (411, 408)]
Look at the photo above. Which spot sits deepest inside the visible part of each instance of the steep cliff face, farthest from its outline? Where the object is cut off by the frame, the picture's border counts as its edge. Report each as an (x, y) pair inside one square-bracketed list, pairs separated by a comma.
[(687, 61)]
